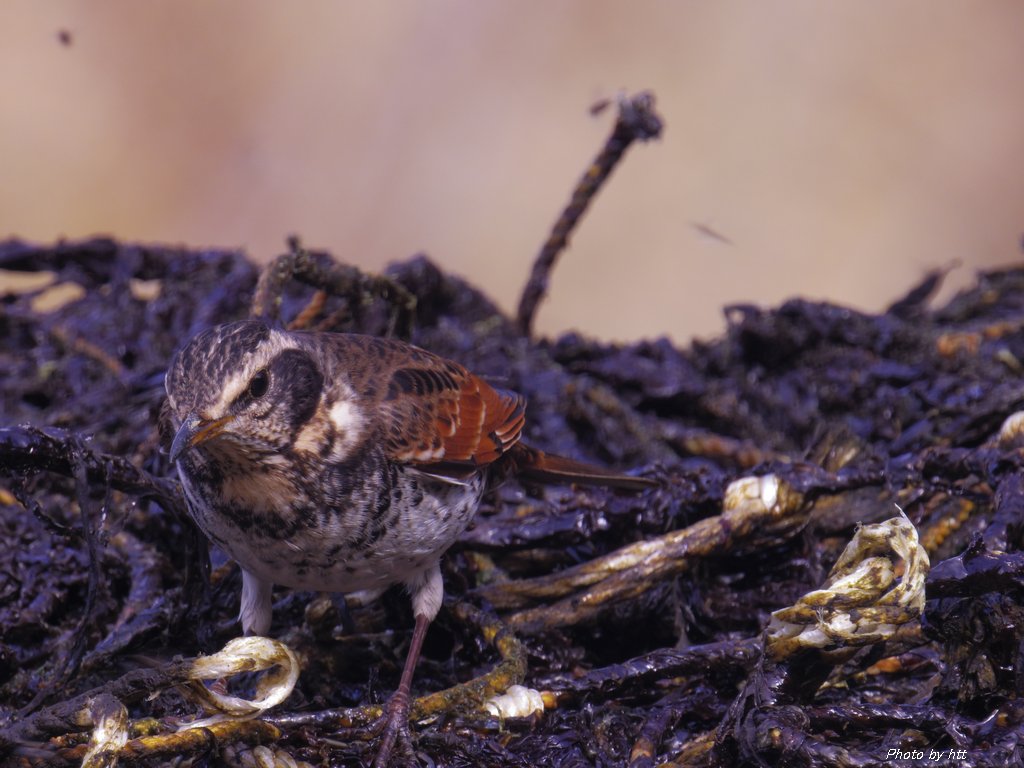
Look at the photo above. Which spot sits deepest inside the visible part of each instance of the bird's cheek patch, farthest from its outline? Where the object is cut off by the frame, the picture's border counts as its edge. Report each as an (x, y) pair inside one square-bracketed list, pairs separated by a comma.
[(334, 431), (349, 423)]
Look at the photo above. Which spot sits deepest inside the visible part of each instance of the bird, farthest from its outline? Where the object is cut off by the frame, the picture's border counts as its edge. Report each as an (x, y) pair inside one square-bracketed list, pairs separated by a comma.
[(343, 463)]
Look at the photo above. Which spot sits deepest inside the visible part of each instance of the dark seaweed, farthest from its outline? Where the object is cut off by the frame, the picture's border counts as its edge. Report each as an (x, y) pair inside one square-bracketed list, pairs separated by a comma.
[(100, 567), (104, 580)]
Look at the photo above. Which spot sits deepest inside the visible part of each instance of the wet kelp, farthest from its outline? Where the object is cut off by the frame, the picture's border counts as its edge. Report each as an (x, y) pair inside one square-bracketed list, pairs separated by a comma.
[(639, 618), (768, 603)]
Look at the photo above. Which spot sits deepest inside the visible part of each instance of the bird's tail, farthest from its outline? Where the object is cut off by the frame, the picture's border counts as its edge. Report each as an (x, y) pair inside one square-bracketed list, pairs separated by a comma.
[(533, 464)]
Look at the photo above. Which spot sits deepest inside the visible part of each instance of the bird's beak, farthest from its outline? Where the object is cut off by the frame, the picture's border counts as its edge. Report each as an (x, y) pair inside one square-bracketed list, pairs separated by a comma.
[(195, 430)]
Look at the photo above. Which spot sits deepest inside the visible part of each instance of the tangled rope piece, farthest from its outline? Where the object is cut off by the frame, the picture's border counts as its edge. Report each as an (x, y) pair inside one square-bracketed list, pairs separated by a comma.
[(863, 600), (754, 509), (876, 585), (234, 721), (244, 654), (110, 733), (517, 701)]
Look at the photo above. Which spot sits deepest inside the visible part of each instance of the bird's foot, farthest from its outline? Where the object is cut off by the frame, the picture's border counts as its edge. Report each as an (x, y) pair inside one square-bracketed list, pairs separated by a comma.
[(394, 724)]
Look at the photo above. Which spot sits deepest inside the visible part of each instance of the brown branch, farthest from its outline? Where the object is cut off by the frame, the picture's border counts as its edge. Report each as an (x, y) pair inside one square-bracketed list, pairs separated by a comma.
[(54, 450), (70, 716), (341, 280), (637, 120)]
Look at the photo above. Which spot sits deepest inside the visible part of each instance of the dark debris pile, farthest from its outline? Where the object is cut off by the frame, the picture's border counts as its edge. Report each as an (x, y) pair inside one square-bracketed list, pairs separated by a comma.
[(639, 617)]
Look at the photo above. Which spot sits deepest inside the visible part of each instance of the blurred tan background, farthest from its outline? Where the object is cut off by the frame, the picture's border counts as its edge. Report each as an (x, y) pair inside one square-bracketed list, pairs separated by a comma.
[(840, 150)]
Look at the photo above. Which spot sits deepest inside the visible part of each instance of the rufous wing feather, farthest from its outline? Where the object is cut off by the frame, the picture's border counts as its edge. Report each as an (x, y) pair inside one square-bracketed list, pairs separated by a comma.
[(447, 422), (453, 422), (533, 464)]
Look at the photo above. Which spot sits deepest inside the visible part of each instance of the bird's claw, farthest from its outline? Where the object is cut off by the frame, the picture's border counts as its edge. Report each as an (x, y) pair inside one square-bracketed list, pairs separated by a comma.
[(394, 725)]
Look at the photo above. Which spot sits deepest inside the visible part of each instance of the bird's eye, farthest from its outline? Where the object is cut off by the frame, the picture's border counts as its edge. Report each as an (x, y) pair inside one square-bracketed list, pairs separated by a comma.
[(259, 384)]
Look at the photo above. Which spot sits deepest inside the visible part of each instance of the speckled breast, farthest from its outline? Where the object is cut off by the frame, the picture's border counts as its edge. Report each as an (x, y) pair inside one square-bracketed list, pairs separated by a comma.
[(338, 531)]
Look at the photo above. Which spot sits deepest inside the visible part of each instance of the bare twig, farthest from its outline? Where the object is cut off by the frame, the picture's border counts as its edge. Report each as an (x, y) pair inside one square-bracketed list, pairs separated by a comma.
[(637, 120), (66, 716), (725, 658), (266, 299), (305, 318), (54, 450), (332, 278)]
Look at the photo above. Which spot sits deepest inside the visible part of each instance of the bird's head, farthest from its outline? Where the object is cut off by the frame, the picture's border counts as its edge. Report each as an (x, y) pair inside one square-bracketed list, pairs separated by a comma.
[(241, 392)]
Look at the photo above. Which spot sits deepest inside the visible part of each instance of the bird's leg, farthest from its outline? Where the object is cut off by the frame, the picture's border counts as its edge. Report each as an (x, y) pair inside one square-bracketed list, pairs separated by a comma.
[(256, 608), (427, 592), (397, 710), (348, 624)]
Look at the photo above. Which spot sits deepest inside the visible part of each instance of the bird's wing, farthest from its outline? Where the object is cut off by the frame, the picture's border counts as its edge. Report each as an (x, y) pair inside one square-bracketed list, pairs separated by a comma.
[(446, 421), (432, 413)]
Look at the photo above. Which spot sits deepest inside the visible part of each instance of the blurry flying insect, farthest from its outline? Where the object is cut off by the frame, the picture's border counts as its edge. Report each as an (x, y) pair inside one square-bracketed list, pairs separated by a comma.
[(708, 231)]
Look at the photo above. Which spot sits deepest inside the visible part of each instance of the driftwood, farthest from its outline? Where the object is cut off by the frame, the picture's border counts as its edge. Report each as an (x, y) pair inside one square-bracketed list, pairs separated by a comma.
[(694, 624)]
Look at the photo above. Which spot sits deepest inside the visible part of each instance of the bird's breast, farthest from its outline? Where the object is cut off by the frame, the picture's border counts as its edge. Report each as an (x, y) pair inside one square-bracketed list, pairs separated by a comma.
[(335, 526)]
